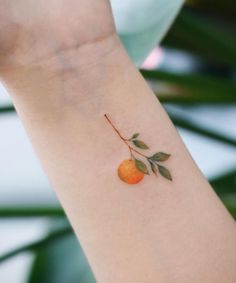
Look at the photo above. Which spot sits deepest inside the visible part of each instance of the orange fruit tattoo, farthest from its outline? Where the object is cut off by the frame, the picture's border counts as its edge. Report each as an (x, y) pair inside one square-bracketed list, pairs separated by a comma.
[(129, 173), (133, 170)]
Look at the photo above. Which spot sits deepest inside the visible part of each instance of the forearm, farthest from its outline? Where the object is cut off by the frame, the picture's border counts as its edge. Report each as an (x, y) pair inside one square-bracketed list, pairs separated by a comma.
[(155, 231)]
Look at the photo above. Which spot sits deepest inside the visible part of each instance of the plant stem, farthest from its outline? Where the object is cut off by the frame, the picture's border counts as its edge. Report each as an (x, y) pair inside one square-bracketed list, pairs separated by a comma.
[(37, 244), (7, 109), (108, 119), (208, 85), (195, 128), (26, 211), (202, 37), (123, 139)]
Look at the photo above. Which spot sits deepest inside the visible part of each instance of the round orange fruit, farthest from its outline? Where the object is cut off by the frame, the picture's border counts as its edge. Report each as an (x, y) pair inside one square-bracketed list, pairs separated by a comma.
[(129, 173)]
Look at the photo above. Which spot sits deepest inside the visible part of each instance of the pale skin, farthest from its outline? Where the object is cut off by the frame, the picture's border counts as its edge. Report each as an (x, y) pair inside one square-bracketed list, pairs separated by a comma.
[(65, 67)]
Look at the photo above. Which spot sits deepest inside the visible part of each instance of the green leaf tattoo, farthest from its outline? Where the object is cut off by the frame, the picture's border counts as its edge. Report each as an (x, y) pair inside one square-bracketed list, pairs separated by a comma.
[(153, 167), (134, 136), (133, 169), (140, 144), (141, 166), (164, 172), (160, 156)]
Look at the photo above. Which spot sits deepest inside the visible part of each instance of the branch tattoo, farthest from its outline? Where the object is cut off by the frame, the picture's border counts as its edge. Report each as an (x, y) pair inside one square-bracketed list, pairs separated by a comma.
[(133, 170)]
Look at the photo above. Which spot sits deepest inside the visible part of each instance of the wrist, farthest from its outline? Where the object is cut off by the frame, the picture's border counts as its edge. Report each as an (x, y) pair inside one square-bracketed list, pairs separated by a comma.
[(78, 62), (83, 80)]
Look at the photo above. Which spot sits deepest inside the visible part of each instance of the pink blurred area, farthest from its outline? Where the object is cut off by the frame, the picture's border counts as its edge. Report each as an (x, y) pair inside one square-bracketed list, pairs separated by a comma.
[(154, 59)]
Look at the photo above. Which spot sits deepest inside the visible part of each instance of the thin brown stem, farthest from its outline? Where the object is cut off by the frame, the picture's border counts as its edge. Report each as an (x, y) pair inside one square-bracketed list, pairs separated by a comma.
[(108, 119), (133, 149), (123, 139)]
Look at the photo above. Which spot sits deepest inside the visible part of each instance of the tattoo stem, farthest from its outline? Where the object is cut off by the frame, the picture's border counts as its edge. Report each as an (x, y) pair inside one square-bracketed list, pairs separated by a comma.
[(123, 139)]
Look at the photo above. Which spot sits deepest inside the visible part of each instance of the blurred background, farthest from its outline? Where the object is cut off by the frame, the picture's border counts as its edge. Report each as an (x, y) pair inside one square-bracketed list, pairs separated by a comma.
[(187, 53)]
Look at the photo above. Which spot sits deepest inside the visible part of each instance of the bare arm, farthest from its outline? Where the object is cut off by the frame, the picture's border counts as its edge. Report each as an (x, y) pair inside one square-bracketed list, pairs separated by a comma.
[(154, 231)]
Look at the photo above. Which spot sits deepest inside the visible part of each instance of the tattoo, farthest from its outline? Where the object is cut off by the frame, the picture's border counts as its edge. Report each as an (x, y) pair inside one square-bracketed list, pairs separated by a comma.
[(133, 169)]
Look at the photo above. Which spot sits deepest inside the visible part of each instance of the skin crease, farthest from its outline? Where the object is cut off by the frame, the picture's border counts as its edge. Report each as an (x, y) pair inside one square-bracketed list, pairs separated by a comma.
[(64, 71)]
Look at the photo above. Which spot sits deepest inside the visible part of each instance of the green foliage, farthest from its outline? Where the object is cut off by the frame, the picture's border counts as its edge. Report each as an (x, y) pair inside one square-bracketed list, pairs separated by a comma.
[(63, 261), (200, 36)]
